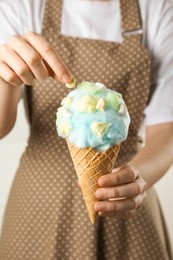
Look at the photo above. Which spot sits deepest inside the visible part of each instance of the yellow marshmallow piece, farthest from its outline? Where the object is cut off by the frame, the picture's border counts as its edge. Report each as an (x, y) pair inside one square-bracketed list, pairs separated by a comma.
[(99, 128), (65, 129), (101, 105), (86, 104), (66, 101), (72, 84)]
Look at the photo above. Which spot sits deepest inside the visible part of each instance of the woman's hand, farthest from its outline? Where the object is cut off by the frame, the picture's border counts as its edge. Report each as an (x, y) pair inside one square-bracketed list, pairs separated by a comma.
[(22, 60), (121, 193), (29, 57)]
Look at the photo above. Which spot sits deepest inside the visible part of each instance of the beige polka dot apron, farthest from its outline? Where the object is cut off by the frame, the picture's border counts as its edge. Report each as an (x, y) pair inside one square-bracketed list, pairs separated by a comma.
[(46, 218)]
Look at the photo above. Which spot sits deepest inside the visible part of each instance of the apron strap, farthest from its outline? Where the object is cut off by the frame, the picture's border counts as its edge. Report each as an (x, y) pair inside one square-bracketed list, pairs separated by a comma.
[(53, 6), (130, 17)]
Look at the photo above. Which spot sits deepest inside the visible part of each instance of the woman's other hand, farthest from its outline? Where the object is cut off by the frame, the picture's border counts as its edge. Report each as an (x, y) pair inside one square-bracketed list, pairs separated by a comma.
[(121, 193)]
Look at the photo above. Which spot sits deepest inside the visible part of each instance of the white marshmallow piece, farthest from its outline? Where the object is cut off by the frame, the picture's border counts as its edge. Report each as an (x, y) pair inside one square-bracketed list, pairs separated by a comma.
[(122, 109), (100, 85)]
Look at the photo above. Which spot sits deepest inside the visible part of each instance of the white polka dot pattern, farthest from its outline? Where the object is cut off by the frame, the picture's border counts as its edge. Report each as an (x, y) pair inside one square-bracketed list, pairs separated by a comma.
[(46, 218)]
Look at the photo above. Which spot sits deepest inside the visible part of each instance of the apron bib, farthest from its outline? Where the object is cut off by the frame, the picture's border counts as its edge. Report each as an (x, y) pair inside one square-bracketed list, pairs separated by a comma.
[(46, 218)]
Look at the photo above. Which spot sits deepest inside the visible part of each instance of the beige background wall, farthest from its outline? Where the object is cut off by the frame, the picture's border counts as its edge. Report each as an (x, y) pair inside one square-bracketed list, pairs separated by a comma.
[(13, 145)]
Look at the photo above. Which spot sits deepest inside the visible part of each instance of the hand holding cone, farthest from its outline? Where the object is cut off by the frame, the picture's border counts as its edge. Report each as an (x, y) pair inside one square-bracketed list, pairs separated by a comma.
[(90, 166)]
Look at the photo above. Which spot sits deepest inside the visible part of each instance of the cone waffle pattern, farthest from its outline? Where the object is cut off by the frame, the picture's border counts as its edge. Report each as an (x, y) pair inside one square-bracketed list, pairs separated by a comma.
[(90, 166)]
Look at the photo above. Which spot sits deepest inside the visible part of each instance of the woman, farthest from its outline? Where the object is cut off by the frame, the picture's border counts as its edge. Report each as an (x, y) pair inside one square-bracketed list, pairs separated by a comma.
[(98, 41)]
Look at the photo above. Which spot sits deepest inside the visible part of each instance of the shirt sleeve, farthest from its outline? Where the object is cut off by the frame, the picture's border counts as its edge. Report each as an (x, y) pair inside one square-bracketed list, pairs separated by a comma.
[(160, 107), (9, 20)]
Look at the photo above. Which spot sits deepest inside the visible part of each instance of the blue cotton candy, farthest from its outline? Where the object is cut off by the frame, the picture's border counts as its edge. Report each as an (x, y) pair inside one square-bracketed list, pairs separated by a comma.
[(80, 133)]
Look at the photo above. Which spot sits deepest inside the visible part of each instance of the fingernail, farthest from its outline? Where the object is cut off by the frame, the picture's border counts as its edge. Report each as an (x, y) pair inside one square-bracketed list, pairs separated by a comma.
[(66, 78), (98, 194), (100, 181), (96, 207)]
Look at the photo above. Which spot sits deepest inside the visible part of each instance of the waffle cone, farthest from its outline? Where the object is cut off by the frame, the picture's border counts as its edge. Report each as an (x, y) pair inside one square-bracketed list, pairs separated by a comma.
[(90, 165)]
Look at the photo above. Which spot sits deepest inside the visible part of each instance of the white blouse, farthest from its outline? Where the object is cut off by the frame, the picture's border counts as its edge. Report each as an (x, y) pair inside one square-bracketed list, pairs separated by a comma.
[(94, 19)]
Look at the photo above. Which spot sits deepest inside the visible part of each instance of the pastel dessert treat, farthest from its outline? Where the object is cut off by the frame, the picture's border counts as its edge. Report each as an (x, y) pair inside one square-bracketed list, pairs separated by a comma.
[(94, 120)]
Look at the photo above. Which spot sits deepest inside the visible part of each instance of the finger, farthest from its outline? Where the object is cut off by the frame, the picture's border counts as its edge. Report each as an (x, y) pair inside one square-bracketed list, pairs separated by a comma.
[(120, 205), (125, 175), (123, 214), (8, 75), (13, 60), (112, 214), (30, 56), (128, 190), (50, 55)]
